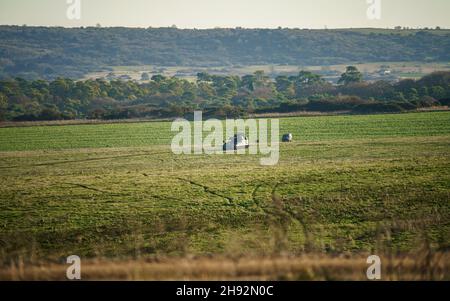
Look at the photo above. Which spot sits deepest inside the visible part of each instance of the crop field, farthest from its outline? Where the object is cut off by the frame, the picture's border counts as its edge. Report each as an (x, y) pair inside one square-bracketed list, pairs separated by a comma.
[(346, 186), (400, 69)]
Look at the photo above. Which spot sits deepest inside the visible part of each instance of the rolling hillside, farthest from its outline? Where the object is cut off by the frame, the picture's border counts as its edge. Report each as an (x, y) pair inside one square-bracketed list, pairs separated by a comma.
[(49, 52)]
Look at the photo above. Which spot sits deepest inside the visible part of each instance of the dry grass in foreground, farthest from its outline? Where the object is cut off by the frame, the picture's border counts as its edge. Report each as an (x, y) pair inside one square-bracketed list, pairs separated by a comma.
[(425, 266)]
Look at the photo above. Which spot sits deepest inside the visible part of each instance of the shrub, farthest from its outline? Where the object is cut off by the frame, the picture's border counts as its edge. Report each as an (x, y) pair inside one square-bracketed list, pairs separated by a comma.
[(378, 107), (428, 101)]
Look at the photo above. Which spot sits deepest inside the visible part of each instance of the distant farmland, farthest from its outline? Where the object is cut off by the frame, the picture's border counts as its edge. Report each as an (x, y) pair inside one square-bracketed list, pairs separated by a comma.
[(347, 185)]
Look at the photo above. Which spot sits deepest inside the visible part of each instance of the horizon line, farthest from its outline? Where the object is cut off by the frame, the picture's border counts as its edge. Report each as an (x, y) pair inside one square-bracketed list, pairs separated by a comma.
[(99, 26)]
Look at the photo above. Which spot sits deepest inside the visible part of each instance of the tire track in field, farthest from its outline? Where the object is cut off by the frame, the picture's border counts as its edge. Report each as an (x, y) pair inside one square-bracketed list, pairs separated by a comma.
[(159, 197), (94, 189), (207, 189), (255, 190), (276, 218), (281, 206), (82, 160)]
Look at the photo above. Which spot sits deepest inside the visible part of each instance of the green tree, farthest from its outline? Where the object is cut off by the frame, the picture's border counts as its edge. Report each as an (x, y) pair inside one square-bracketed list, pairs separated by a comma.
[(203, 77), (158, 78), (285, 86), (225, 86), (3, 106), (423, 91), (145, 76), (3, 101), (206, 91), (260, 76), (438, 92), (412, 95), (351, 75), (307, 77), (308, 84), (60, 87), (399, 96), (248, 82)]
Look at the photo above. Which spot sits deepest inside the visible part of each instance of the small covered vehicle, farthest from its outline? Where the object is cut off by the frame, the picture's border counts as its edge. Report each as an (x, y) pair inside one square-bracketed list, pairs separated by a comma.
[(238, 141), (287, 137)]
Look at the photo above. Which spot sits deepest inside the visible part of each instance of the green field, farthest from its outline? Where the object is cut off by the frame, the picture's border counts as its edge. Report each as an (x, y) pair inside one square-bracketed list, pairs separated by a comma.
[(347, 184)]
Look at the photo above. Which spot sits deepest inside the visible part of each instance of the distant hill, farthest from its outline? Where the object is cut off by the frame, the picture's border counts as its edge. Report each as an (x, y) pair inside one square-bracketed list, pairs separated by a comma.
[(49, 52)]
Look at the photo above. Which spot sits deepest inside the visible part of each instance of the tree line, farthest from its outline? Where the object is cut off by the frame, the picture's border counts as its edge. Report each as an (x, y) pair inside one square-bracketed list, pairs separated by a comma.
[(217, 95)]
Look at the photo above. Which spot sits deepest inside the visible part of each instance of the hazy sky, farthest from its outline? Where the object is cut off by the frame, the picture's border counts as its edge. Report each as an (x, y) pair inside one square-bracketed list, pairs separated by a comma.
[(228, 13)]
